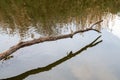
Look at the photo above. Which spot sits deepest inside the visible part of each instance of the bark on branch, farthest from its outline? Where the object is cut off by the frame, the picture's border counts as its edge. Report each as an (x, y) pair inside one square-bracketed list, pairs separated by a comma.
[(43, 39)]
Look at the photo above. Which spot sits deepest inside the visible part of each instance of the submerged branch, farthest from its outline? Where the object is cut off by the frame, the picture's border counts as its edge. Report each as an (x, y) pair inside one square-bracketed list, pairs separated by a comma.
[(43, 39)]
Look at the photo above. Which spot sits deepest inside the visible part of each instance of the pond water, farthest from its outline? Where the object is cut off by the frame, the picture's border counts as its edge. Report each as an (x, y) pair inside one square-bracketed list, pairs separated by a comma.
[(66, 59)]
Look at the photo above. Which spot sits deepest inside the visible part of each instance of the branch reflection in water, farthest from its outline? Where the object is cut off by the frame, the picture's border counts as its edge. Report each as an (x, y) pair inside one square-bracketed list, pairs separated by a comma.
[(54, 64)]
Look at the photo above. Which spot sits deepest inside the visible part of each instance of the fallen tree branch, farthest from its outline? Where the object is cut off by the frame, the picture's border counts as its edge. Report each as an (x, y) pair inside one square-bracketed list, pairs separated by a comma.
[(43, 39)]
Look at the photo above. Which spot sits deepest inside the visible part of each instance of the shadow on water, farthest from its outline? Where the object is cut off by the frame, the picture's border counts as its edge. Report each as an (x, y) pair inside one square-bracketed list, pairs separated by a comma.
[(54, 64)]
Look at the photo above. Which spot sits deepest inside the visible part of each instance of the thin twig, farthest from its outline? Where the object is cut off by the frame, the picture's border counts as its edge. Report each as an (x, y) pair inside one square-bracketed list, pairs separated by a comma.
[(96, 23)]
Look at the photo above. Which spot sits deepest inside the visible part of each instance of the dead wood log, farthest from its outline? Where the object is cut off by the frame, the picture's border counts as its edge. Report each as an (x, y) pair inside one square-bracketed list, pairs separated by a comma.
[(43, 39)]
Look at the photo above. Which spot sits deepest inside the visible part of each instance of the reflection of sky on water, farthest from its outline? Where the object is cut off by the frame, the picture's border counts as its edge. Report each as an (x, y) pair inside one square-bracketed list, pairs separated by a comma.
[(114, 26), (97, 63)]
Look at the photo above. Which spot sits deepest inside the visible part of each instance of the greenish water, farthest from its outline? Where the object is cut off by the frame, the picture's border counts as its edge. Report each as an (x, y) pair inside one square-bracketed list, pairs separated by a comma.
[(48, 17), (67, 59)]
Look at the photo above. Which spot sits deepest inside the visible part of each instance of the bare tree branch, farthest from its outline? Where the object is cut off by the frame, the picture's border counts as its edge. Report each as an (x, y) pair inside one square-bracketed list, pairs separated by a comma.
[(43, 39)]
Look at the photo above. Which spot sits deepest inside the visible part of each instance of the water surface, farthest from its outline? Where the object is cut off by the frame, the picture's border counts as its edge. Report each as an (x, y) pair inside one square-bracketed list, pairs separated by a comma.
[(26, 20)]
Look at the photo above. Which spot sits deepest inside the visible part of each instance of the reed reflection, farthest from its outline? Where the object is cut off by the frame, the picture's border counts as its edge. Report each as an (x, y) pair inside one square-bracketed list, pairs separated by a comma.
[(49, 16)]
